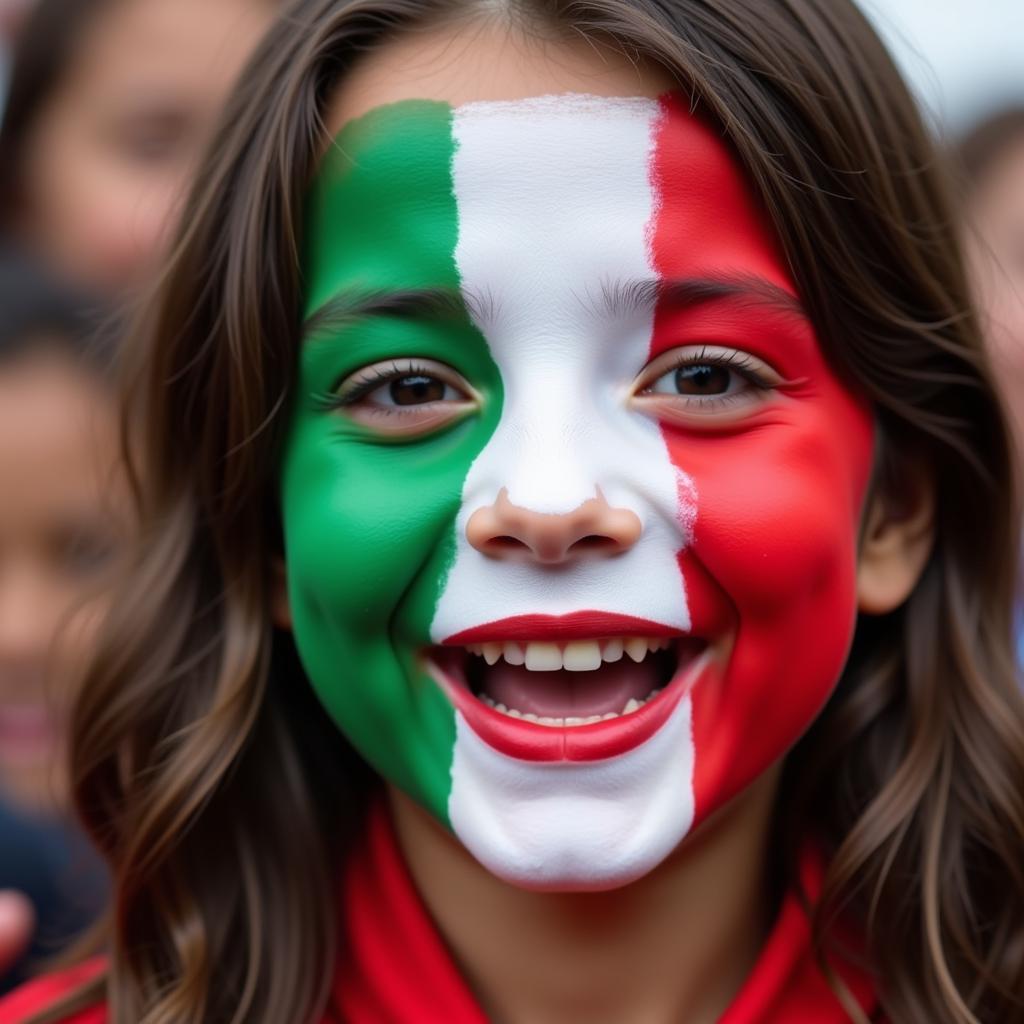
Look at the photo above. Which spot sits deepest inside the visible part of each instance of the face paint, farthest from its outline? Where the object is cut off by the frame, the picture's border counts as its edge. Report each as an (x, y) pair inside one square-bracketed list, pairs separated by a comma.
[(368, 525), (606, 258)]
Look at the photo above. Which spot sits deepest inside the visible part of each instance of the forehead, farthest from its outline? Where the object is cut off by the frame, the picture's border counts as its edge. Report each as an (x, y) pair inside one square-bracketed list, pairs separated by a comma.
[(579, 186), (457, 65)]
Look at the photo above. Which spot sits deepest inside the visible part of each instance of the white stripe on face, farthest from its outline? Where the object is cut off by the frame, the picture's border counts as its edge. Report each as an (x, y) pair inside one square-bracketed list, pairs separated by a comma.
[(574, 826), (555, 206)]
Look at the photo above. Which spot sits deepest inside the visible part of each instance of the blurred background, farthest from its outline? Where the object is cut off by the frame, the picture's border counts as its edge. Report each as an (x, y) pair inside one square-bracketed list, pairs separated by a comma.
[(108, 105), (964, 60)]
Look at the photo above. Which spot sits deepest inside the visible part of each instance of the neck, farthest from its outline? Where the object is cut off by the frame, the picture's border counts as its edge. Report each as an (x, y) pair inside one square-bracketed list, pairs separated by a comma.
[(675, 945)]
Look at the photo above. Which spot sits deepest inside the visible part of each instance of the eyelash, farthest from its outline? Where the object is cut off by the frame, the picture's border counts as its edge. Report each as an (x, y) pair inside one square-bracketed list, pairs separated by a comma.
[(375, 378), (754, 377), (738, 362)]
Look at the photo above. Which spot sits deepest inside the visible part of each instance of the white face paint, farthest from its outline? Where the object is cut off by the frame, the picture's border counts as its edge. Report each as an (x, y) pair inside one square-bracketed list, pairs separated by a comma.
[(567, 826), (555, 206)]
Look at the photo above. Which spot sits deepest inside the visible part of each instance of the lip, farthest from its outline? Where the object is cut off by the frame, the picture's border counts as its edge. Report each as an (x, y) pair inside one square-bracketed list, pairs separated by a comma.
[(27, 731), (583, 625), (529, 741)]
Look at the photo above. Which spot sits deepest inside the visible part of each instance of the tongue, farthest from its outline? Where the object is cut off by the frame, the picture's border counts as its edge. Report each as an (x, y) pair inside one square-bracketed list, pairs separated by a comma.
[(565, 694)]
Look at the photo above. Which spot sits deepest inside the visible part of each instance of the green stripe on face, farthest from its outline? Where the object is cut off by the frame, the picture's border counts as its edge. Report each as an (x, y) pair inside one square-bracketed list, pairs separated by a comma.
[(369, 521)]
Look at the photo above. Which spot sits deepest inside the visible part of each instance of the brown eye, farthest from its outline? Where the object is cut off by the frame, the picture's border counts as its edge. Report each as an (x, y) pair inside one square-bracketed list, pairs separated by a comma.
[(702, 379), (405, 397), (695, 384), (418, 390)]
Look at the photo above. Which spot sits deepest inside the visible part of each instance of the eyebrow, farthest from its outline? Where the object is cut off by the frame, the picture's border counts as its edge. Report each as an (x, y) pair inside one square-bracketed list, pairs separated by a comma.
[(616, 300), (409, 304), (622, 298)]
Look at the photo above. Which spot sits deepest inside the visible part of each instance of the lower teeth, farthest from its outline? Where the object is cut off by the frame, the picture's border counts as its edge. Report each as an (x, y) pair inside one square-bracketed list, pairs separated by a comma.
[(631, 706)]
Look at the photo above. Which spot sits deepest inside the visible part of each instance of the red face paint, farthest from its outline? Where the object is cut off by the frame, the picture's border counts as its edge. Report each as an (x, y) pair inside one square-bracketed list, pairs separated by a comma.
[(780, 488)]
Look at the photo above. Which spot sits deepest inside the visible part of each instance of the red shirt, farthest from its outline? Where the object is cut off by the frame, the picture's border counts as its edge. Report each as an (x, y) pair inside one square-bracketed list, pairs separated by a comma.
[(398, 970)]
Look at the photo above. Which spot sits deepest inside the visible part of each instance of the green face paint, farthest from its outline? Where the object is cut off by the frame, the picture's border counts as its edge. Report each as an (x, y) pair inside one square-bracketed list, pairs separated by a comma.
[(369, 520)]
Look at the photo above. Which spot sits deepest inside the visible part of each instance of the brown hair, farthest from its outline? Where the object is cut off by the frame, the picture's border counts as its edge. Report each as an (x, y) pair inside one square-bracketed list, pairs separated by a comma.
[(219, 790)]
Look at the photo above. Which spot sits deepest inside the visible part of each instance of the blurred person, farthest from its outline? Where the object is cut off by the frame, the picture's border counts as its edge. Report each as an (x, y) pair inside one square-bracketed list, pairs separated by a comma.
[(11, 14), (992, 159), (62, 523), (992, 164), (110, 105)]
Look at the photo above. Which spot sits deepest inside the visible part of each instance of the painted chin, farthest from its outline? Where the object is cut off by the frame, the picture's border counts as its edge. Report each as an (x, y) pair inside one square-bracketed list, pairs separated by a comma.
[(583, 688)]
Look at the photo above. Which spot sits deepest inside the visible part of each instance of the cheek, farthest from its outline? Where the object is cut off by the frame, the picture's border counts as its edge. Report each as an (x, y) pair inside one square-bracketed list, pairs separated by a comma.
[(368, 531), (368, 535), (776, 543), (363, 526), (80, 626), (1006, 326)]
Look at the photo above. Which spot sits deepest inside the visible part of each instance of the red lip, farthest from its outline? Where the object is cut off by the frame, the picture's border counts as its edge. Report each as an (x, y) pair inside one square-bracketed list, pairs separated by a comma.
[(528, 741), (585, 625)]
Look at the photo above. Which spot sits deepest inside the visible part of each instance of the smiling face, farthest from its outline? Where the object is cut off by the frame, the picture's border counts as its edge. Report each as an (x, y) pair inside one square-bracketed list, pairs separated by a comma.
[(570, 497)]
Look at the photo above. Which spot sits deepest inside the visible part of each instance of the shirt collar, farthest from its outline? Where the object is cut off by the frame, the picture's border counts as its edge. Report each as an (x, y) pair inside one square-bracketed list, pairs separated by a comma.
[(396, 967)]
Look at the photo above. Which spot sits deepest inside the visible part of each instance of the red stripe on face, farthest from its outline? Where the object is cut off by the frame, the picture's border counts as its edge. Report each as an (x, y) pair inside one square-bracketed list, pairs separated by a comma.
[(779, 488)]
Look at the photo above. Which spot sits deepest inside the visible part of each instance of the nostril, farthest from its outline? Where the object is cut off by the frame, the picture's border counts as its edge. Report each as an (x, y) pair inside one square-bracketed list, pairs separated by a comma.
[(506, 543), (504, 546), (505, 530), (595, 544)]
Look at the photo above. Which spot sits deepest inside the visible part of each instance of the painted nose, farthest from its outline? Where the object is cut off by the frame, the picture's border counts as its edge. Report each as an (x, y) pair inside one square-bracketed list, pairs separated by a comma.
[(508, 531)]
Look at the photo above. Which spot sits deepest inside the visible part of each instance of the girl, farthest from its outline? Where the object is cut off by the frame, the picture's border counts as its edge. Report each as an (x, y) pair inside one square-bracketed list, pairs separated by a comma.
[(578, 406)]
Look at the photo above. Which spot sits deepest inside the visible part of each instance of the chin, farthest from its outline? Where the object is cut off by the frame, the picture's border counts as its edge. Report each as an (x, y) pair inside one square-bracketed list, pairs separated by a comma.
[(575, 827)]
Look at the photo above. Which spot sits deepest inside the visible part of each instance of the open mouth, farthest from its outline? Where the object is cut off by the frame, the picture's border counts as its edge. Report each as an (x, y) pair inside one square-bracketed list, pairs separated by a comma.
[(559, 697), (573, 684)]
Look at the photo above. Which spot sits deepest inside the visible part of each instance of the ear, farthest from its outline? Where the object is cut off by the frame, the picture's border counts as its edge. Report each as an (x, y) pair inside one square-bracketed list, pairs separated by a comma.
[(280, 606), (896, 541)]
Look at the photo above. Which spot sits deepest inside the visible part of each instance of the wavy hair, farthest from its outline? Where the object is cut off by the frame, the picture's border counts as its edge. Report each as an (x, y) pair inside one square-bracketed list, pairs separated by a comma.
[(219, 791)]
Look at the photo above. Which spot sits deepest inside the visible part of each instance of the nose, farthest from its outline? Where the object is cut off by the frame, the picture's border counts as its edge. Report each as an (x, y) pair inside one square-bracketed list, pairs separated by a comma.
[(28, 620), (508, 531)]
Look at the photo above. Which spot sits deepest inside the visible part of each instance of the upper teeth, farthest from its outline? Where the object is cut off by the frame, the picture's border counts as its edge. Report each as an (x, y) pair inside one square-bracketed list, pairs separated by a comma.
[(576, 656)]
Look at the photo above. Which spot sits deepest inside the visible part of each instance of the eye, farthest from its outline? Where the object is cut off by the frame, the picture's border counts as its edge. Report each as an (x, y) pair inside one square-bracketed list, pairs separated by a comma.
[(151, 136), (83, 553), (414, 389), (704, 380), (404, 397)]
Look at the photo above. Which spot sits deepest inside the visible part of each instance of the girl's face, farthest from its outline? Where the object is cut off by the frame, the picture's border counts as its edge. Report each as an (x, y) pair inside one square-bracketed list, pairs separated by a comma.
[(114, 147), (571, 497)]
